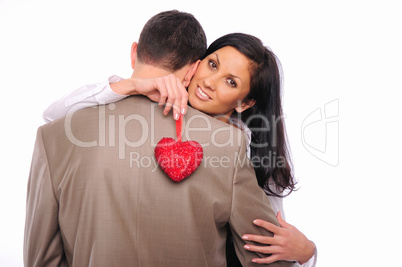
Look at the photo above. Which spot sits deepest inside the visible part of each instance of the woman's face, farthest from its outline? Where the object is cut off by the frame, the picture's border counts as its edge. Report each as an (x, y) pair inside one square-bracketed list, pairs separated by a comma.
[(221, 82)]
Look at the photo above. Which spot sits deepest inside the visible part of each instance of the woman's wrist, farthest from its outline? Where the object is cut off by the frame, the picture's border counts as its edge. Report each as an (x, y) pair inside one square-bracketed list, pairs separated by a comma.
[(310, 250), (124, 87)]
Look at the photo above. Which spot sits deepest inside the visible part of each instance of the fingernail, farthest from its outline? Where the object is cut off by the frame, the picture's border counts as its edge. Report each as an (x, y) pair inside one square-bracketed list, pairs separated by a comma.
[(176, 116), (254, 260), (246, 246), (245, 237), (183, 111)]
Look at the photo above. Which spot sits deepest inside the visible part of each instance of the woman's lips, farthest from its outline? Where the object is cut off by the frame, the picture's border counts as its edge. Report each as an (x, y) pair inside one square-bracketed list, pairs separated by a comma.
[(201, 94)]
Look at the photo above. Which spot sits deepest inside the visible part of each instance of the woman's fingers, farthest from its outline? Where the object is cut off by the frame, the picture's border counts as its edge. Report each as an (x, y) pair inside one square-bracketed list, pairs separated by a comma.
[(178, 96), (173, 95), (262, 249), (181, 98), (161, 88), (281, 221), (267, 260), (184, 97), (288, 243), (170, 93), (268, 226), (274, 251), (267, 240)]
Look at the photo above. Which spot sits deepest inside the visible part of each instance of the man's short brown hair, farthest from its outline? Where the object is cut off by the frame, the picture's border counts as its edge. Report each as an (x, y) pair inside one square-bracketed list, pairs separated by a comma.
[(171, 40)]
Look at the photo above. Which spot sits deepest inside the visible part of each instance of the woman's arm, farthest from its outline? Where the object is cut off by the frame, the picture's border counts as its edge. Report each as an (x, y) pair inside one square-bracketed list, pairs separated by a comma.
[(85, 96), (288, 243), (166, 90)]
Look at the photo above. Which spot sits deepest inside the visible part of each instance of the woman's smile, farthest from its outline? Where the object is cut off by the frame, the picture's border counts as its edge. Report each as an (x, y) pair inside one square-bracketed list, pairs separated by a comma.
[(202, 94)]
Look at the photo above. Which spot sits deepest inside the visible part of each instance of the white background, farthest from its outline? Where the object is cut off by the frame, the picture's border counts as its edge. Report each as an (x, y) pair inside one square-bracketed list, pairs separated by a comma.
[(346, 53)]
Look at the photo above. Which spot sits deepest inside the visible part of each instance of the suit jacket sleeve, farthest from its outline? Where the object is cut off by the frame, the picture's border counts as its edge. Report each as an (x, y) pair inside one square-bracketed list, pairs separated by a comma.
[(42, 241), (249, 202)]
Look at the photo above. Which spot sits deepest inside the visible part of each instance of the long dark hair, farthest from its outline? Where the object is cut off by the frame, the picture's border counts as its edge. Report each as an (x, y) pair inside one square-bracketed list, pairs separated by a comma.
[(269, 149)]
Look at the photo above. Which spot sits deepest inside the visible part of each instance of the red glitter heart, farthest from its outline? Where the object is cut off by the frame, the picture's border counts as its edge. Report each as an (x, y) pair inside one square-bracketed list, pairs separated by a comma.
[(178, 159)]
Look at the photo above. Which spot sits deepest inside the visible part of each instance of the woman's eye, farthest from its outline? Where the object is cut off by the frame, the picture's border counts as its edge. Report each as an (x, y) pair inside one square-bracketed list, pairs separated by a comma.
[(231, 83), (212, 64)]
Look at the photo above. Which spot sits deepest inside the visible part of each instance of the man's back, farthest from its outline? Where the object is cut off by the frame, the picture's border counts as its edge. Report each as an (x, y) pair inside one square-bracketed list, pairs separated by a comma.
[(102, 200)]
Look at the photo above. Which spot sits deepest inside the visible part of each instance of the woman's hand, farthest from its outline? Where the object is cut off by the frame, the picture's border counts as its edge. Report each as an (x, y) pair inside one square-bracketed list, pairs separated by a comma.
[(288, 243), (166, 90)]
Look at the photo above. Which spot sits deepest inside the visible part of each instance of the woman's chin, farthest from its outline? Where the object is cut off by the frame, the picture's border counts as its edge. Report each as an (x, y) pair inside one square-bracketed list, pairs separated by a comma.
[(192, 101)]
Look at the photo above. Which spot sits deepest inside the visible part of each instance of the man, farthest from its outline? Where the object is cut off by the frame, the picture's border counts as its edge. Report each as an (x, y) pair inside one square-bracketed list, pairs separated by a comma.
[(96, 196)]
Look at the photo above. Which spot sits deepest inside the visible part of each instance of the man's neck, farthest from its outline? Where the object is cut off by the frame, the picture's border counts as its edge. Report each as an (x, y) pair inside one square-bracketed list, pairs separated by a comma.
[(144, 71)]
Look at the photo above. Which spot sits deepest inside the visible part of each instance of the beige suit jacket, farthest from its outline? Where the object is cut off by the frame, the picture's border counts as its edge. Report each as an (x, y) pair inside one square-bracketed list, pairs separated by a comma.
[(96, 196)]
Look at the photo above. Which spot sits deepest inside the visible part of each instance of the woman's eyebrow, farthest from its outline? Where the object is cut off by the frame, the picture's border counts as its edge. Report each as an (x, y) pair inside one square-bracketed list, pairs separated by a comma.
[(217, 60), (234, 76)]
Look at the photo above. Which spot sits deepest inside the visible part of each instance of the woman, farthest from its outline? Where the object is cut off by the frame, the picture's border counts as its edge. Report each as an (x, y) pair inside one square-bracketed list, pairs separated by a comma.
[(238, 81)]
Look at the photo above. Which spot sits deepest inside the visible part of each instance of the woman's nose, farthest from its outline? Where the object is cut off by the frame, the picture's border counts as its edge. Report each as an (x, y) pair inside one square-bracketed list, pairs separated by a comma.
[(209, 82)]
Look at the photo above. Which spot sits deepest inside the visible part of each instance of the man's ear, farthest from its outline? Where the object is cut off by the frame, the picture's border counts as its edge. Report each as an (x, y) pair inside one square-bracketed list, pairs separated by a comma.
[(133, 54), (190, 73), (245, 105)]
